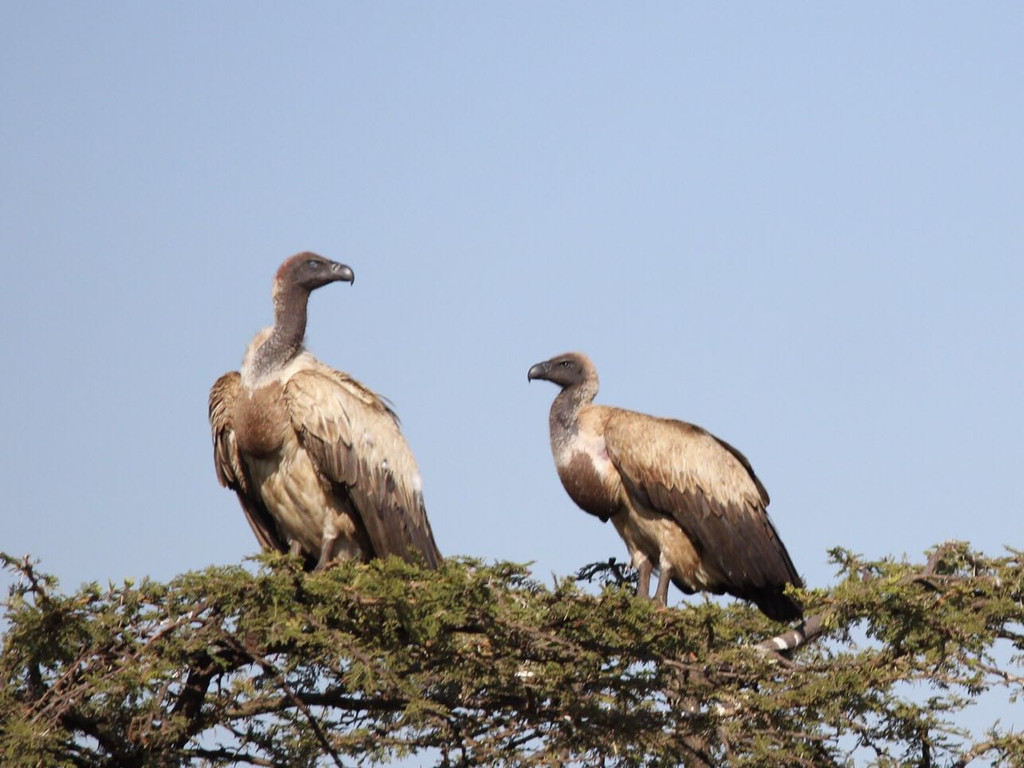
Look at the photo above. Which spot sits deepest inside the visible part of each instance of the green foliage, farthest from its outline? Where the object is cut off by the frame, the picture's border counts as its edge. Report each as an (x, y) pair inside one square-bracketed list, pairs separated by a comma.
[(477, 664)]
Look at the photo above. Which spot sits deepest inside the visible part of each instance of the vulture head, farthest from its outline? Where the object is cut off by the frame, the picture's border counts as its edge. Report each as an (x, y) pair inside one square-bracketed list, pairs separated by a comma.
[(308, 271), (566, 371), (296, 278)]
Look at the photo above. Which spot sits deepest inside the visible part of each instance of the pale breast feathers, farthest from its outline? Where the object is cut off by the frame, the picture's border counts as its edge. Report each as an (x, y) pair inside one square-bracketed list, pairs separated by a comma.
[(584, 467)]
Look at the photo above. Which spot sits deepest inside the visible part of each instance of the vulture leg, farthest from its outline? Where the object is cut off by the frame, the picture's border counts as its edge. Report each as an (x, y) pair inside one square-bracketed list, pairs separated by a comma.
[(330, 535), (295, 548), (643, 584), (661, 593)]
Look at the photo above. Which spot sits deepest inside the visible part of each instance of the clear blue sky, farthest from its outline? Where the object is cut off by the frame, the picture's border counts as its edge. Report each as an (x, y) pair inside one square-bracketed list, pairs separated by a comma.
[(799, 226)]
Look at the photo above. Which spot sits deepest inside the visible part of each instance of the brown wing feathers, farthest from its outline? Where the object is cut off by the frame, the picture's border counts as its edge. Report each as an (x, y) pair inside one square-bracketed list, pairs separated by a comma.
[(353, 438), (708, 487), (230, 468), (739, 548)]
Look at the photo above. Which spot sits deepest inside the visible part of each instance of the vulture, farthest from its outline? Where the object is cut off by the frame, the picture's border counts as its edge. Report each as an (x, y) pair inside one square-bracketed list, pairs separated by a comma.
[(317, 460), (686, 503)]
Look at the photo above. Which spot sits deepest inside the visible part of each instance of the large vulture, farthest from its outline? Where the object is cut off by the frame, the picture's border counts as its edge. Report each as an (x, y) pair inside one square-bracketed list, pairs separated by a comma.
[(685, 502), (316, 458)]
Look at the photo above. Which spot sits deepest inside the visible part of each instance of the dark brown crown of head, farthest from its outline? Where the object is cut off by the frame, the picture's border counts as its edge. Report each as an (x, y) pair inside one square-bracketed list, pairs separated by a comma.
[(564, 370), (309, 271)]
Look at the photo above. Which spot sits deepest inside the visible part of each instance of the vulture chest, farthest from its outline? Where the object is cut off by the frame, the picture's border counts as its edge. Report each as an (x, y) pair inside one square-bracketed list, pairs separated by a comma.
[(261, 421), (585, 486), (586, 472)]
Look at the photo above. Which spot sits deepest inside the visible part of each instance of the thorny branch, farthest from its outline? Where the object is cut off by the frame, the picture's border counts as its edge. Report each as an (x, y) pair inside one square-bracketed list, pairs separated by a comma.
[(487, 666)]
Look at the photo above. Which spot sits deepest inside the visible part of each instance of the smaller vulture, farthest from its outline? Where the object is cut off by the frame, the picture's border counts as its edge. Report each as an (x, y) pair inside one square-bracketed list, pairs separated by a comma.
[(317, 459), (686, 503)]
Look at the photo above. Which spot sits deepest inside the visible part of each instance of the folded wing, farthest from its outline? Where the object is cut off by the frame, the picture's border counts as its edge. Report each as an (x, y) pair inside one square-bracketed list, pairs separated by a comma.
[(354, 441), (711, 491), (231, 469)]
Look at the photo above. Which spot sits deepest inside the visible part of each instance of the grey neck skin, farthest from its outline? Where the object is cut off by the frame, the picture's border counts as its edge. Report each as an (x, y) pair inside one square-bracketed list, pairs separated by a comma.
[(565, 410), (285, 340)]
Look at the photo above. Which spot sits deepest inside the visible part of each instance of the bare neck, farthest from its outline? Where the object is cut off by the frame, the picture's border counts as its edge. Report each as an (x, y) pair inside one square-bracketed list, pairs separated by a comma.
[(565, 410), (285, 340)]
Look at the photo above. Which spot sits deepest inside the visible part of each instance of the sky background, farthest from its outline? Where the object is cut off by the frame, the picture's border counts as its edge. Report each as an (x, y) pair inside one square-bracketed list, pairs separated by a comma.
[(799, 226)]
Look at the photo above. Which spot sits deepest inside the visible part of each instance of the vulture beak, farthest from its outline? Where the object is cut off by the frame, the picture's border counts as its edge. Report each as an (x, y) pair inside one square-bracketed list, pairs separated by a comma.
[(539, 371), (342, 273)]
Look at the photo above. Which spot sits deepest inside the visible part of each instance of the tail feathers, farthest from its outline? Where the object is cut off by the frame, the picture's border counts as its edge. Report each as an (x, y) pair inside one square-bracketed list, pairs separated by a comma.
[(777, 606)]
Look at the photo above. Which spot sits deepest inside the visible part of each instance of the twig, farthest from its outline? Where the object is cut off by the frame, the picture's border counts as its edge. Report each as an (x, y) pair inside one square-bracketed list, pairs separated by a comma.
[(290, 693)]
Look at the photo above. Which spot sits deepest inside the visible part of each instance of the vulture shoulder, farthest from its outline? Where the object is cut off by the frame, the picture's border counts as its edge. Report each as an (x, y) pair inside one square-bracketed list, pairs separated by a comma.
[(709, 488), (229, 465), (353, 438)]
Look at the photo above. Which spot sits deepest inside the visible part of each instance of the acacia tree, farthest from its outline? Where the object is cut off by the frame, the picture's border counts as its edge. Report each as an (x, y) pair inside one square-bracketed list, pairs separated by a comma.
[(477, 664)]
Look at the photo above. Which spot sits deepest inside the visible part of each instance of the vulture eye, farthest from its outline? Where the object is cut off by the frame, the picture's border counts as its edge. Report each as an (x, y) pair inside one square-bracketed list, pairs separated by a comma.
[(312, 263), (566, 363)]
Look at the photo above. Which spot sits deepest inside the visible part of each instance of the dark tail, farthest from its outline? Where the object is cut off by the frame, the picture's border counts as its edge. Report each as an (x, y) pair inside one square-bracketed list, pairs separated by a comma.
[(778, 606)]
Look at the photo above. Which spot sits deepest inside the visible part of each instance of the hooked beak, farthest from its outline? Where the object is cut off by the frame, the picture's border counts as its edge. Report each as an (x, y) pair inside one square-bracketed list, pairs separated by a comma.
[(539, 371), (342, 273)]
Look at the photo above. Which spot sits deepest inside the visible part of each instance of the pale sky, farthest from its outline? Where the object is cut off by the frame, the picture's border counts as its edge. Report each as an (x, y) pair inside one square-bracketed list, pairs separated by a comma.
[(799, 226)]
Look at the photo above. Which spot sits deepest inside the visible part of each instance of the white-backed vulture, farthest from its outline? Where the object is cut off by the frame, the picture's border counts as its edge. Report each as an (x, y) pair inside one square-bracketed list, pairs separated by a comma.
[(685, 502), (317, 459)]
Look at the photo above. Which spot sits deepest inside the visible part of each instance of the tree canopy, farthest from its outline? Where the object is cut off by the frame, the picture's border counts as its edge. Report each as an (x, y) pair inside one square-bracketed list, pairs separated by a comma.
[(481, 664)]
